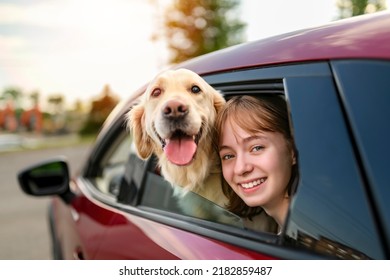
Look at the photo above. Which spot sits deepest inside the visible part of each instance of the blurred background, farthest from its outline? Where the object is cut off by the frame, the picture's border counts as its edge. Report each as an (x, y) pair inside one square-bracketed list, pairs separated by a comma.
[(65, 64)]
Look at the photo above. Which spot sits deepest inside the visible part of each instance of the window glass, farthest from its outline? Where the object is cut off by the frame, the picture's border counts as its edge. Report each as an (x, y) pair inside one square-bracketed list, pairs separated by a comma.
[(365, 89), (160, 194), (330, 213), (113, 165)]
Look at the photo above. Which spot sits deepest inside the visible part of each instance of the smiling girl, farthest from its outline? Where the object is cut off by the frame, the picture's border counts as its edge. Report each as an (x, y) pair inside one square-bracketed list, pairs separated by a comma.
[(258, 156)]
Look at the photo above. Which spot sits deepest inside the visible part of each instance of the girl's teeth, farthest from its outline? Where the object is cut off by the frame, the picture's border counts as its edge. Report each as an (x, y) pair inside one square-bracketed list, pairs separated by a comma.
[(252, 184)]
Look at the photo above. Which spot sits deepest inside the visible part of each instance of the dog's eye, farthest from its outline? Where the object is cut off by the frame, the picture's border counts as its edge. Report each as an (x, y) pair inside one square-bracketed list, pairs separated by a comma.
[(156, 92), (195, 89)]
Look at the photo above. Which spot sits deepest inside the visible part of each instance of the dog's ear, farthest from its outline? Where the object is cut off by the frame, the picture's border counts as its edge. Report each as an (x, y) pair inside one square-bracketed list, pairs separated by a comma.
[(219, 101), (136, 124)]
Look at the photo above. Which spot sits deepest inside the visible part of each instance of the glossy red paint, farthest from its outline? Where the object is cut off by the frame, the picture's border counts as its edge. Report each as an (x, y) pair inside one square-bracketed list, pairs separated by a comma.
[(357, 37), (65, 229), (167, 240), (104, 233)]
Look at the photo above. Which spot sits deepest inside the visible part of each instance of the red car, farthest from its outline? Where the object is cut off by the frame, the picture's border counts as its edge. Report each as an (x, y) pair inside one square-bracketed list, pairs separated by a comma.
[(336, 79)]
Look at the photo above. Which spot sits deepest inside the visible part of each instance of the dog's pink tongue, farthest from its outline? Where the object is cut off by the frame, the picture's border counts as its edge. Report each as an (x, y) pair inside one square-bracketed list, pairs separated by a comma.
[(180, 151)]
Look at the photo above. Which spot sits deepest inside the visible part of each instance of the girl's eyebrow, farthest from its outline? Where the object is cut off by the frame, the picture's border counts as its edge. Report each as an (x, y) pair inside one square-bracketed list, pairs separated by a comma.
[(248, 139), (255, 137), (223, 147)]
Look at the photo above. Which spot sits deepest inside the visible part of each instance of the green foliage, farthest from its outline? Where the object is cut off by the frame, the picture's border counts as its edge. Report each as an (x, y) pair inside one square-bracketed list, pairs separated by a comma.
[(90, 128), (13, 94), (351, 8), (196, 27)]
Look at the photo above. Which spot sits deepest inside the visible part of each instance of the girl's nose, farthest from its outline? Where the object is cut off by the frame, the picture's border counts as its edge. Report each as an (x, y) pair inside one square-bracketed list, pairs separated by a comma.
[(242, 166)]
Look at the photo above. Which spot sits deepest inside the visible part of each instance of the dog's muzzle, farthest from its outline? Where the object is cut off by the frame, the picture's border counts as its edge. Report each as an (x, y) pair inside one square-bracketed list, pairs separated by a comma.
[(179, 148)]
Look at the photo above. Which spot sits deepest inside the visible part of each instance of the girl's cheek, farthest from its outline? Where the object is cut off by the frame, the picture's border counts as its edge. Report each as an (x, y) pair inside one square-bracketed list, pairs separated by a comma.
[(226, 171)]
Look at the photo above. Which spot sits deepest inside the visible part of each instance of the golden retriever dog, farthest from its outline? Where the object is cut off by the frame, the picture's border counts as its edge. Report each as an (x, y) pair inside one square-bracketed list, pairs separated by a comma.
[(175, 121)]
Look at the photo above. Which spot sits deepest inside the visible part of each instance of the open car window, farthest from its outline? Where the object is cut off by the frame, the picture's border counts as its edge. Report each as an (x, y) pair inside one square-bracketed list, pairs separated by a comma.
[(135, 182)]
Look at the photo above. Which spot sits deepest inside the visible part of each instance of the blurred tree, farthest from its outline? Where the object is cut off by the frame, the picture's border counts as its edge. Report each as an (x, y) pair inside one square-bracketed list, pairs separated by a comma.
[(13, 94), (196, 27), (35, 98), (100, 109), (351, 8), (32, 118), (78, 106), (77, 116), (57, 103), (57, 119), (11, 112)]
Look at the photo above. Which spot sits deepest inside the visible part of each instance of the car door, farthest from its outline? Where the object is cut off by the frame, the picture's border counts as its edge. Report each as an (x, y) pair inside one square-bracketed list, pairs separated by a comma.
[(329, 205)]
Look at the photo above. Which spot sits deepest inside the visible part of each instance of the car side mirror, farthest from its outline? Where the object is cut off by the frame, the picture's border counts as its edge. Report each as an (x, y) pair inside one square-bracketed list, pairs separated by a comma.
[(47, 178)]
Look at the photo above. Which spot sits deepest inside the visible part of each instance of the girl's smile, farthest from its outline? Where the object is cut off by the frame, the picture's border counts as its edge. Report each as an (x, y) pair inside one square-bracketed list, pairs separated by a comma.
[(252, 184)]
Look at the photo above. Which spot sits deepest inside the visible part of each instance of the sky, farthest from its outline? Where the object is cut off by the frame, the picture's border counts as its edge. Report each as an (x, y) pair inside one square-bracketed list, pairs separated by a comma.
[(76, 47)]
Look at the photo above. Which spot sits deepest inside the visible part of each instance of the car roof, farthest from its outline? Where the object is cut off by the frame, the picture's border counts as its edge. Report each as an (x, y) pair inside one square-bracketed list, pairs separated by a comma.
[(366, 36), (363, 37)]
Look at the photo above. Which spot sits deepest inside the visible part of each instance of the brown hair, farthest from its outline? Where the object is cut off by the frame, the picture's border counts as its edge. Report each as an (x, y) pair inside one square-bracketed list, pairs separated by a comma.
[(266, 113)]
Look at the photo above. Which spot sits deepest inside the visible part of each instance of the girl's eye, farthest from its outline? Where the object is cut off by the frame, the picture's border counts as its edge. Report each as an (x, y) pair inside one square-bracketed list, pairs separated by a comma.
[(226, 157), (257, 148), (195, 89), (156, 92)]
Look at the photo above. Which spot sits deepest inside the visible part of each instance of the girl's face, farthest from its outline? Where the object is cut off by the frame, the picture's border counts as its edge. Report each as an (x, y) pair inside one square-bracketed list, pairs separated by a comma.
[(257, 167)]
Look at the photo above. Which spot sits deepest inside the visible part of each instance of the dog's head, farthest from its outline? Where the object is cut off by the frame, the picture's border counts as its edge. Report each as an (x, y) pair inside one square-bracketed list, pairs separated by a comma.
[(175, 117)]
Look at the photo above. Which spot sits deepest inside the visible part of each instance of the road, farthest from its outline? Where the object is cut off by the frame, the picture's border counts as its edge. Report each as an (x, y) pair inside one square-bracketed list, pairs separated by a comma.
[(24, 232)]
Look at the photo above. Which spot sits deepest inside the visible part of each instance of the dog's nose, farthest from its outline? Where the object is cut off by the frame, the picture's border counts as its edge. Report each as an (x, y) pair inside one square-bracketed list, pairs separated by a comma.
[(174, 108)]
